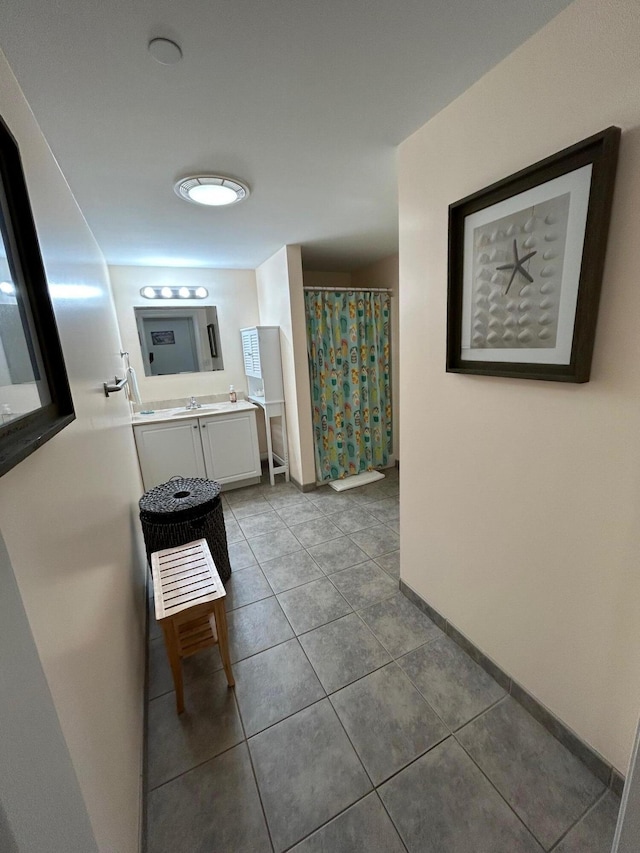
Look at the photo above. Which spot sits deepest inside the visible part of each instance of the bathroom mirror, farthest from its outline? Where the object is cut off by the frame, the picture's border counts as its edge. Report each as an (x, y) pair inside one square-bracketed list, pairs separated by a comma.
[(181, 339), (35, 398)]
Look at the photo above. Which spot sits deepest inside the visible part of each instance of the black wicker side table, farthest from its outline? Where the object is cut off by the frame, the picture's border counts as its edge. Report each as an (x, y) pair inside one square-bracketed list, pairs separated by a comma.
[(184, 509)]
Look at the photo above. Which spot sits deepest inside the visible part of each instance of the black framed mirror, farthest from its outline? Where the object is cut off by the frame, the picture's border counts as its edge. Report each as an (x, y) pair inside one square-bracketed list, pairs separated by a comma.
[(35, 397)]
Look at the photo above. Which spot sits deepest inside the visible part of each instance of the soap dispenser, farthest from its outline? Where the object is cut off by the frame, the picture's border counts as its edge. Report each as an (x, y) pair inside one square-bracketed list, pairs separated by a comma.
[(233, 397)]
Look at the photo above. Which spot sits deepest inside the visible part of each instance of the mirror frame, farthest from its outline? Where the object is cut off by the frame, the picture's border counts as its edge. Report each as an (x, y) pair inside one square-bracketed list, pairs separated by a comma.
[(20, 437)]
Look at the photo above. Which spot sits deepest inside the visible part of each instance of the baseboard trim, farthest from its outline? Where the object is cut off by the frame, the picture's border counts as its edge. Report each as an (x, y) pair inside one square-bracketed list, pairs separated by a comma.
[(303, 487), (598, 765)]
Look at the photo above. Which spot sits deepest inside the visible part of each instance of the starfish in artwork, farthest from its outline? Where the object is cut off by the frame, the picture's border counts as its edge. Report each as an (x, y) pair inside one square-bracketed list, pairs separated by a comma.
[(516, 266)]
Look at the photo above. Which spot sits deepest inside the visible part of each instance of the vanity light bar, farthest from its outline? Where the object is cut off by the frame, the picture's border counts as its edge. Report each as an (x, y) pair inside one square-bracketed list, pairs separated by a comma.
[(174, 292)]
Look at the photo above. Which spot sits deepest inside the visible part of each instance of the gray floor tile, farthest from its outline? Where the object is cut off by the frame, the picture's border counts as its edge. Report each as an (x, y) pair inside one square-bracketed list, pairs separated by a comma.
[(313, 604), (194, 668), (337, 554), (255, 506), (275, 544), (352, 519), (331, 501), (284, 494), (209, 725), (399, 625), (387, 721), (307, 773), (274, 684), (390, 563), (258, 525), (343, 651), (257, 627), (395, 526), (317, 531), (453, 684), (594, 833), (369, 494), (386, 510), (541, 780), (160, 678), (321, 492), (235, 497), (376, 540), (443, 804), (214, 807), (364, 827), (241, 556), (298, 513), (234, 534), (246, 586), (291, 570), (364, 584)]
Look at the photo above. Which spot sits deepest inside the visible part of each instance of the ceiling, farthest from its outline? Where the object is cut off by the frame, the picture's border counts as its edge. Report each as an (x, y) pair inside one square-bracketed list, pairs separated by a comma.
[(304, 100)]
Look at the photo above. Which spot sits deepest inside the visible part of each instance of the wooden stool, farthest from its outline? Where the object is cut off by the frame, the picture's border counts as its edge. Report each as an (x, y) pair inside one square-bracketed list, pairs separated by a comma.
[(189, 599)]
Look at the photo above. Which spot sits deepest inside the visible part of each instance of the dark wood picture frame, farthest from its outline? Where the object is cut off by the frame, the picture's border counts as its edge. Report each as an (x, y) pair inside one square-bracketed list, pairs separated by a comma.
[(601, 152), (22, 435), (213, 345)]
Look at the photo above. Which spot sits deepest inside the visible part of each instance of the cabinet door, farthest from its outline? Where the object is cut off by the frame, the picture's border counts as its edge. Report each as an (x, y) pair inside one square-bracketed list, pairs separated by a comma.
[(230, 445), (169, 450)]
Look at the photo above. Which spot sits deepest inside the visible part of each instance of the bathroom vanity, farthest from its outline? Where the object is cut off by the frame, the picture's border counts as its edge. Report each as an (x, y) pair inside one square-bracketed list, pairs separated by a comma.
[(218, 441)]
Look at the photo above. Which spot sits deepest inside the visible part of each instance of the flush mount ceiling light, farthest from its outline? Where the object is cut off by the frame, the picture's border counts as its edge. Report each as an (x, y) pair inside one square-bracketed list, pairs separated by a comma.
[(174, 292), (212, 190)]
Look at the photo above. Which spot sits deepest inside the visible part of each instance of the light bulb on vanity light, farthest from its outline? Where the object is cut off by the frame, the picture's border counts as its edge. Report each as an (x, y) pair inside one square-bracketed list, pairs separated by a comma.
[(149, 292), (166, 293), (201, 292), (183, 293)]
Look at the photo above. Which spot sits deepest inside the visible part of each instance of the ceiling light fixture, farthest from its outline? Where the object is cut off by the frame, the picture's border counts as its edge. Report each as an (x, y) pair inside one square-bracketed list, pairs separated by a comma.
[(211, 190), (174, 292)]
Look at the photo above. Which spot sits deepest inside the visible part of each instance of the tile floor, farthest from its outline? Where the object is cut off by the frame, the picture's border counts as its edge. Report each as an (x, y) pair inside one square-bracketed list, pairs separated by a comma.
[(356, 724)]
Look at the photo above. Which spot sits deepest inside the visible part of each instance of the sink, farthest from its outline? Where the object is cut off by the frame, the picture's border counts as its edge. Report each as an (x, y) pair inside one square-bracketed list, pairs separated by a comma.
[(205, 407)]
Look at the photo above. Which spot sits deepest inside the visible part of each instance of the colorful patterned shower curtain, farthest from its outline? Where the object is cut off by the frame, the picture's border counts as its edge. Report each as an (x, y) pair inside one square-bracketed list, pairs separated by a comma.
[(349, 362)]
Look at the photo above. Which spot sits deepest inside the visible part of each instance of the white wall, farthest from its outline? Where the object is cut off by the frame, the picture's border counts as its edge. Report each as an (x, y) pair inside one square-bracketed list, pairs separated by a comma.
[(233, 292), (37, 776), (68, 518), (520, 498), (386, 273), (326, 279), (281, 303)]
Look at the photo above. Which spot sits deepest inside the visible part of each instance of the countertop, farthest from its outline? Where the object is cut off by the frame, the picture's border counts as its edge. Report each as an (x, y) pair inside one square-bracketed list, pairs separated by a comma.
[(181, 413)]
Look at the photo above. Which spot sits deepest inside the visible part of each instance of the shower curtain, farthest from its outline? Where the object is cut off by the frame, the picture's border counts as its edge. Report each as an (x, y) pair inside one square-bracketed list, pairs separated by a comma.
[(349, 362)]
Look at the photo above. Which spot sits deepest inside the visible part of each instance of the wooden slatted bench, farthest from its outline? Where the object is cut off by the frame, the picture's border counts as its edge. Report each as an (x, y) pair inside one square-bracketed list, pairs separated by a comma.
[(189, 601)]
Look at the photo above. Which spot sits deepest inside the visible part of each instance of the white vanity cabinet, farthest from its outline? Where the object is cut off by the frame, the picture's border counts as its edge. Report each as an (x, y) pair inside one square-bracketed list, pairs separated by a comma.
[(222, 447), (230, 445), (168, 450)]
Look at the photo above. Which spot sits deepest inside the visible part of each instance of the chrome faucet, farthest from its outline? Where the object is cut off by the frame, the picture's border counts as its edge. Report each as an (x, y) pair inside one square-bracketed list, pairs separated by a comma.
[(193, 404)]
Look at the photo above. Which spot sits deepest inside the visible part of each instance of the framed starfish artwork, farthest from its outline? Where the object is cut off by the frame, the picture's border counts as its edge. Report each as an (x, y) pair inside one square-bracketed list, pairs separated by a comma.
[(526, 259)]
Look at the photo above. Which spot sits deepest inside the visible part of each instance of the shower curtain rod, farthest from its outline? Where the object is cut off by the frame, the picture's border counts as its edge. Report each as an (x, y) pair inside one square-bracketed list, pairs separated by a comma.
[(353, 289)]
